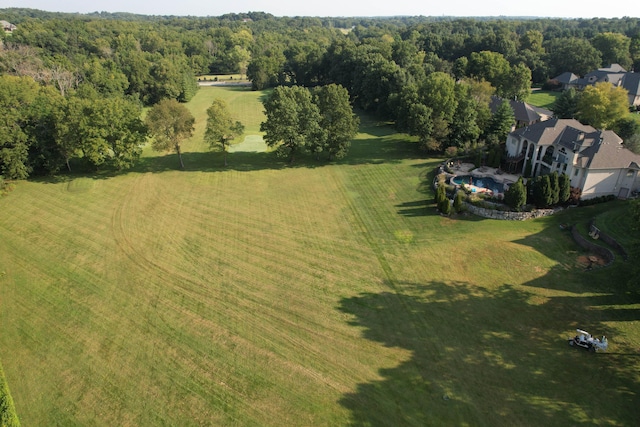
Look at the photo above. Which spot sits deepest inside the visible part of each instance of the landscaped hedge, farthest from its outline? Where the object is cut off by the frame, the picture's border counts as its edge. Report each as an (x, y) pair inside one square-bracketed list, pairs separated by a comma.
[(8, 416), (596, 200)]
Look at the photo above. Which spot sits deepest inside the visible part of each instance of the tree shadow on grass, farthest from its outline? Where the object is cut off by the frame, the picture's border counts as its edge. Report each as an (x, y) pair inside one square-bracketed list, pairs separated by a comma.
[(485, 357), (370, 151)]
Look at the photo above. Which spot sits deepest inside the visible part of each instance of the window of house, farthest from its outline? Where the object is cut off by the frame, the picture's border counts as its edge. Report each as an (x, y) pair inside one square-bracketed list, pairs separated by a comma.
[(630, 173)]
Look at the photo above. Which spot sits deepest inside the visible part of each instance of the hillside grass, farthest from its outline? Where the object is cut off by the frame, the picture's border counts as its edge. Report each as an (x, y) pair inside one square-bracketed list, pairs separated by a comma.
[(543, 98), (308, 294)]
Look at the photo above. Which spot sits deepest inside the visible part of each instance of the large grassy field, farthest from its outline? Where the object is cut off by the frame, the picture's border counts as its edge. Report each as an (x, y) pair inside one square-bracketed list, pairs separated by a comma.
[(311, 294)]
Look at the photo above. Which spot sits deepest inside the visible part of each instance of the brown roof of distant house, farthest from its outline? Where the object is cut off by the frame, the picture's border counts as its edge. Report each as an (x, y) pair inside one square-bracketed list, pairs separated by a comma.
[(566, 78), (522, 111)]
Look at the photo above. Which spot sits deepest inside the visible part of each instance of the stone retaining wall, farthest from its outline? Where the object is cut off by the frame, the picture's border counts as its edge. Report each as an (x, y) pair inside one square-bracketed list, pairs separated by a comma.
[(607, 239), (511, 216), (592, 247)]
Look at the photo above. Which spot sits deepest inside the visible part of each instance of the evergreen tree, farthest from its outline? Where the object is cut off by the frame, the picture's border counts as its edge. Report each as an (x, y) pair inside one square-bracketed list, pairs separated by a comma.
[(458, 201), (516, 195), (546, 191), (555, 188), (441, 193), (565, 188), (464, 127), (445, 207), (501, 123), (566, 105)]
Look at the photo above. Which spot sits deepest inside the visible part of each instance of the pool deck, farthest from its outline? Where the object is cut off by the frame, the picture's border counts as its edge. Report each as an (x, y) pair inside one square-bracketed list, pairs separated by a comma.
[(484, 172)]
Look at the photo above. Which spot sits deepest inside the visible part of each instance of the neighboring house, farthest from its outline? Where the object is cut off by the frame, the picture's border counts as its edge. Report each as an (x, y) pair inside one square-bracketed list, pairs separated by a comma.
[(7, 26), (595, 160), (631, 82), (567, 80), (525, 114), (614, 74)]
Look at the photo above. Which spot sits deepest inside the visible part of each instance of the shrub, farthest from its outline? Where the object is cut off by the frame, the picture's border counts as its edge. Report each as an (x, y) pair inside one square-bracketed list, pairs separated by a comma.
[(445, 207), (451, 151), (552, 85), (441, 194), (575, 194), (458, 201), (597, 200)]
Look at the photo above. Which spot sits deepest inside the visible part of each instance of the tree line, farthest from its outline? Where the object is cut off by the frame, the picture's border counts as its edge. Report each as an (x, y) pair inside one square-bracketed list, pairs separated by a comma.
[(432, 77)]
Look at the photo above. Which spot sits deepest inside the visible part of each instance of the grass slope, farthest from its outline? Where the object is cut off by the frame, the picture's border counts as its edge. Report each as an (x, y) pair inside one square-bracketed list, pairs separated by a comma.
[(311, 294), (543, 98)]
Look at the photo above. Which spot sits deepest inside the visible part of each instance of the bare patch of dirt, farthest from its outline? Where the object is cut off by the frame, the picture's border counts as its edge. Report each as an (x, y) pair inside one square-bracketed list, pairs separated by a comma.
[(591, 261)]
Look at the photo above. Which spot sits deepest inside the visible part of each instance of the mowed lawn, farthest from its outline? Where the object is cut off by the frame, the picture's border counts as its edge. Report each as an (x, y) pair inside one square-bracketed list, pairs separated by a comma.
[(543, 98), (311, 294)]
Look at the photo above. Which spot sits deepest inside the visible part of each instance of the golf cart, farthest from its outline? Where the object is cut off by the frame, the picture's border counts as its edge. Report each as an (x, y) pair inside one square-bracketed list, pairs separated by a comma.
[(586, 341)]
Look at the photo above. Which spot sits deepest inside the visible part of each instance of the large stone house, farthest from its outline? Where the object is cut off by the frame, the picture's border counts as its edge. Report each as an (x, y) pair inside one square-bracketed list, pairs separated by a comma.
[(595, 160), (614, 74)]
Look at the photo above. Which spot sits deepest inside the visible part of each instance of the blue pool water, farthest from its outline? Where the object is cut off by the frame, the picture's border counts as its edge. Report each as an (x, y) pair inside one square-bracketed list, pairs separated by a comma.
[(479, 182)]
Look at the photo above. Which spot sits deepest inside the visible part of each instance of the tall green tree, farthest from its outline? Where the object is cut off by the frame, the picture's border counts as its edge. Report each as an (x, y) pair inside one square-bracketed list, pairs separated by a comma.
[(555, 188), (221, 128), (169, 124), (106, 131), (633, 143), (464, 127), (516, 196), (501, 123), (438, 99), (17, 94), (337, 119), (572, 54), (420, 124), (564, 182), (292, 121), (626, 127), (490, 66), (566, 105), (614, 48), (602, 105), (517, 84)]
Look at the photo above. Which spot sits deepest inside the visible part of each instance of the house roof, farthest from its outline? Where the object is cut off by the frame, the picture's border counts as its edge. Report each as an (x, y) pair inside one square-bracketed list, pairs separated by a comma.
[(566, 78), (609, 153), (614, 68), (522, 111), (550, 131), (603, 75), (596, 149), (631, 82)]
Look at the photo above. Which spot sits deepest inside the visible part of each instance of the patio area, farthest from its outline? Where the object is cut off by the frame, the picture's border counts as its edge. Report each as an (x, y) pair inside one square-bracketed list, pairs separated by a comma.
[(499, 176)]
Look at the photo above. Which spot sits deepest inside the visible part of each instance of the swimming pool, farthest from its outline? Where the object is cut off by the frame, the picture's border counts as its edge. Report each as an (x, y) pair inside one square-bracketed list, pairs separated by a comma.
[(488, 183)]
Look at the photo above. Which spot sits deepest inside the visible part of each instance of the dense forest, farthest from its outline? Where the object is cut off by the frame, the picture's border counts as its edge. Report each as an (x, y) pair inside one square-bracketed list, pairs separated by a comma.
[(72, 86)]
